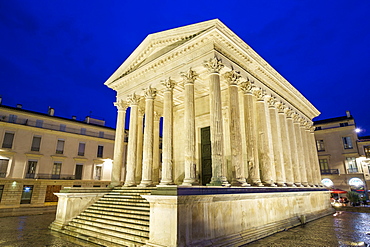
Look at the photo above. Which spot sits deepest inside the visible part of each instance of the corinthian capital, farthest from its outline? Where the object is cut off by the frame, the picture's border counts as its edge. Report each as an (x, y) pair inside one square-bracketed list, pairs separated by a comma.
[(150, 93), (121, 105), (296, 117), (281, 107), (246, 87), (189, 76), (289, 113), (271, 101), (169, 84), (133, 99), (232, 77), (259, 94), (214, 65)]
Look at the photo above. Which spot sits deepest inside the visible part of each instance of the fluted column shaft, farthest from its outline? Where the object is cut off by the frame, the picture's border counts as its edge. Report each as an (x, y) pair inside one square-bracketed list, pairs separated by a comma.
[(293, 148), (132, 141), (264, 140), (167, 140), (119, 143), (139, 143), (146, 179), (300, 149), (189, 78), (316, 173), (232, 77), (285, 141), (277, 143), (251, 136), (156, 153), (216, 124), (308, 164)]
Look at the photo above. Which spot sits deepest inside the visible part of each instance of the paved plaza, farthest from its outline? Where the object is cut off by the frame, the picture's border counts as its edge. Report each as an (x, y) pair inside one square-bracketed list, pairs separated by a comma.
[(340, 229)]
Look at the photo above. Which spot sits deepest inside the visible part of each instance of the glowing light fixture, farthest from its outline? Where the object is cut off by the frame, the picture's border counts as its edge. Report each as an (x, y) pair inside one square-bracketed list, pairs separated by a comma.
[(358, 130)]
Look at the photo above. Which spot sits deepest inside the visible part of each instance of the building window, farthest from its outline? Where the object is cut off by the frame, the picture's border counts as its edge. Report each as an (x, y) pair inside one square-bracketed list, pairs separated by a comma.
[(1, 191), (81, 149), (100, 151), (367, 151), (57, 167), (324, 166), (101, 134), (26, 194), (31, 171), (12, 118), (62, 127), (60, 146), (8, 140), (78, 171), (320, 145), (347, 142), (343, 124), (36, 141), (39, 123), (83, 131), (3, 167), (318, 128), (98, 172), (351, 165)]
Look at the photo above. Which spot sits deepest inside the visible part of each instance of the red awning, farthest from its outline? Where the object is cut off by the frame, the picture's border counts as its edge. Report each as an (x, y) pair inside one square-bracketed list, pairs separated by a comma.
[(338, 191)]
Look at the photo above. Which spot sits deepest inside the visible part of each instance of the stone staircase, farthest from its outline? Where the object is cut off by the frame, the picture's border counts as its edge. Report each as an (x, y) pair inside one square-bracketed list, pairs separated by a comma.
[(119, 218)]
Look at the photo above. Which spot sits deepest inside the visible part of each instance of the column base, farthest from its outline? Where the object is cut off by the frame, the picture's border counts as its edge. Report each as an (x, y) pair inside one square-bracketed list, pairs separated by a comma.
[(257, 183), (305, 184), (290, 184), (298, 184), (166, 182), (240, 182), (129, 184), (281, 184), (147, 183), (189, 182)]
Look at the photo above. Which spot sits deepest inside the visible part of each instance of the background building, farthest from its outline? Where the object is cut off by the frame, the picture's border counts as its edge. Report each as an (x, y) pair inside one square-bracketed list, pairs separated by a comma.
[(343, 156), (41, 153)]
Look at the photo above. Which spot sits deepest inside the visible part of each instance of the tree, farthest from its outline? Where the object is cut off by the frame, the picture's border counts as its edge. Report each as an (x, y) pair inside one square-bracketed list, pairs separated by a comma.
[(353, 197)]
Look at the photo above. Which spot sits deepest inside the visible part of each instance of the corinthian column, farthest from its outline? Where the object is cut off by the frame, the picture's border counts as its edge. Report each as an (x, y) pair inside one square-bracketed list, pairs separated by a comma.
[(146, 180), (251, 136), (139, 143), (300, 148), (293, 148), (265, 147), (277, 143), (189, 127), (308, 169), (316, 174), (167, 141), (156, 153), (219, 169), (232, 77), (119, 143), (287, 161), (132, 140)]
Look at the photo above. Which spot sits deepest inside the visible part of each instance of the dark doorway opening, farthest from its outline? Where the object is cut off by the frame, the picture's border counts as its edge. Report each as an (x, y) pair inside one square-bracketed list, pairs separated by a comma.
[(206, 155)]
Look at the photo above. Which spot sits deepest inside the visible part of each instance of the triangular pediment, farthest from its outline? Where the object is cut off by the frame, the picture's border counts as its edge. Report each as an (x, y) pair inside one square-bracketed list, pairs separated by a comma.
[(158, 44)]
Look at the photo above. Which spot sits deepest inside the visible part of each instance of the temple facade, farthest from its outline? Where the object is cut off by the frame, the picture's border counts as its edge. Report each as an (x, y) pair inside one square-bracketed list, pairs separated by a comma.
[(228, 117), (238, 159)]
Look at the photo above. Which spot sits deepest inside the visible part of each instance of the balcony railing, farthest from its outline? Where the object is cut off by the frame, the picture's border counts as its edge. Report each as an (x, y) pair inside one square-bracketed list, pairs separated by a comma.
[(352, 170), (329, 171), (50, 176), (32, 123)]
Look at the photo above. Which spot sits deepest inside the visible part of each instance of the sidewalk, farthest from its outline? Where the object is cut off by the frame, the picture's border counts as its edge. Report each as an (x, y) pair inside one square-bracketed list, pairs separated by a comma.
[(340, 229)]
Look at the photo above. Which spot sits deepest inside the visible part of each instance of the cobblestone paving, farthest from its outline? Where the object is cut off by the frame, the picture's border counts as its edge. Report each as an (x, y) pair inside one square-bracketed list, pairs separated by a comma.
[(342, 229)]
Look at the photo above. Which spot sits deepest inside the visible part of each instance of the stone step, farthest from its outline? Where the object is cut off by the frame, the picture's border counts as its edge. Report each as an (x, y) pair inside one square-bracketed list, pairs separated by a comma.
[(100, 238), (125, 203), (105, 208), (112, 225), (95, 231), (120, 199), (118, 213), (121, 206), (139, 222), (142, 225)]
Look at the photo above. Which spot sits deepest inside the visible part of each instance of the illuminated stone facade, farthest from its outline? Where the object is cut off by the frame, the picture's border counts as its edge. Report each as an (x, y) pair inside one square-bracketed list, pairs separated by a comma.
[(202, 76), (45, 153)]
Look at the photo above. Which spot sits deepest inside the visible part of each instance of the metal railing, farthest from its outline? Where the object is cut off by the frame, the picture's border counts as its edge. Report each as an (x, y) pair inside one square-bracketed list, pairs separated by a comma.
[(329, 171), (50, 176), (32, 123), (352, 170)]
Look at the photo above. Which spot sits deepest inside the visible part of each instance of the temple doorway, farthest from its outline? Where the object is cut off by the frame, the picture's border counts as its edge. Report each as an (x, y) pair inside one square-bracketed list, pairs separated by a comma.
[(206, 155)]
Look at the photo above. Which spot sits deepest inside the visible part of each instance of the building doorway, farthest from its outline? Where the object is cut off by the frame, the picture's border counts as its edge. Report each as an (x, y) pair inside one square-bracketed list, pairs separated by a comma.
[(78, 171), (206, 155), (50, 190)]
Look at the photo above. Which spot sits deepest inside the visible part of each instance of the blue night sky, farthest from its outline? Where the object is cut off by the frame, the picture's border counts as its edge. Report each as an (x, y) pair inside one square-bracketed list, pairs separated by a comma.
[(59, 53)]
